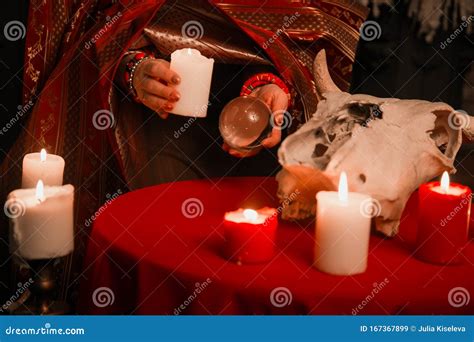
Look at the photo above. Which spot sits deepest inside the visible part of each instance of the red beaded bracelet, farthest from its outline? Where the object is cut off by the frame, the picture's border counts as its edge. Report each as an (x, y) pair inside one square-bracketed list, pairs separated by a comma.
[(262, 79), (130, 69)]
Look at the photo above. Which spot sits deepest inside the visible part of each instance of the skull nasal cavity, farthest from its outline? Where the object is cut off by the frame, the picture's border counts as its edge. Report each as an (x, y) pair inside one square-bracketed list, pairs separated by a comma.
[(320, 149)]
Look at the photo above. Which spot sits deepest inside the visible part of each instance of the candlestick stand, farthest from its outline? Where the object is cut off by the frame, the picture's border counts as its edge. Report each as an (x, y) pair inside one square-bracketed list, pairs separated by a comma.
[(43, 291)]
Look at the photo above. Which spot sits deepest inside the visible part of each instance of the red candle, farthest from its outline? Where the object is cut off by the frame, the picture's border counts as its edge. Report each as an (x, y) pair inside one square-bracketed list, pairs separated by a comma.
[(250, 235), (443, 221)]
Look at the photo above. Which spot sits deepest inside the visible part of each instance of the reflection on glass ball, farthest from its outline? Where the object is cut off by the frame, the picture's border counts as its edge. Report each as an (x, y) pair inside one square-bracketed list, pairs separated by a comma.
[(245, 122)]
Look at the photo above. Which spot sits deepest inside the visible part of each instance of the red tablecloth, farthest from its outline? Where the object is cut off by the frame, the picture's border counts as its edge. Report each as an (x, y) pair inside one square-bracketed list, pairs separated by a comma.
[(146, 257)]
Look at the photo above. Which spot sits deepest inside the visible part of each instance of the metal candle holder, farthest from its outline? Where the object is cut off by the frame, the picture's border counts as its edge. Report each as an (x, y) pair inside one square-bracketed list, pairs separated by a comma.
[(43, 289)]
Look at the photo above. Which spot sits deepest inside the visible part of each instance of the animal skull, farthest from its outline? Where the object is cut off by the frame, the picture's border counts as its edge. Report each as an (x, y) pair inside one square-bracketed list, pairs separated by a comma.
[(388, 147)]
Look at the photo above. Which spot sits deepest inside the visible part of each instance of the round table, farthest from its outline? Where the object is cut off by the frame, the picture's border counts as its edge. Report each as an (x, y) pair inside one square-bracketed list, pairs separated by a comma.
[(158, 250)]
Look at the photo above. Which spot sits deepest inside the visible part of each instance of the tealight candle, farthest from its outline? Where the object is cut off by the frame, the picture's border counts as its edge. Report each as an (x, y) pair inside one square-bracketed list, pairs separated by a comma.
[(47, 167), (195, 72), (250, 235), (443, 221), (342, 231), (42, 227)]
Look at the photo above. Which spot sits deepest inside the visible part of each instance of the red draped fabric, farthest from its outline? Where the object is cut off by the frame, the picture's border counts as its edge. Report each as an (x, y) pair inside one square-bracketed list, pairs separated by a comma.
[(155, 265)]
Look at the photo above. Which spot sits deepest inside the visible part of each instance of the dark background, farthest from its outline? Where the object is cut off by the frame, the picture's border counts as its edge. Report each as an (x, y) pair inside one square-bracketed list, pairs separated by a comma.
[(402, 64), (11, 70), (11, 73)]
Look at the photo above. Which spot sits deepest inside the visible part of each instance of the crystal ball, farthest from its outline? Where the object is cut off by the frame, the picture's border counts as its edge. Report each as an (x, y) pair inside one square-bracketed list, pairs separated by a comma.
[(245, 122)]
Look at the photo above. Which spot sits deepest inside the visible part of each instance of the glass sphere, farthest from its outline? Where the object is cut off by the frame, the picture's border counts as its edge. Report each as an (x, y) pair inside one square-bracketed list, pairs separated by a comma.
[(245, 122)]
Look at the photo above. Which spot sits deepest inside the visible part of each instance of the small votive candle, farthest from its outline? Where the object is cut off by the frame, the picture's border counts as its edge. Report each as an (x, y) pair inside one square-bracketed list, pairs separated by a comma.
[(250, 235)]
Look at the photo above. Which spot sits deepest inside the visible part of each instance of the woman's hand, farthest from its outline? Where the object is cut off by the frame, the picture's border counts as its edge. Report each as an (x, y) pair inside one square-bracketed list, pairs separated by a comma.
[(153, 80), (277, 100)]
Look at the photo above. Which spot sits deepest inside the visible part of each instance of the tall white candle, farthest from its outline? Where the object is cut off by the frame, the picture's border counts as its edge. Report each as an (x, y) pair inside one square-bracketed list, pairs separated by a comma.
[(342, 231), (195, 72), (42, 226), (47, 167)]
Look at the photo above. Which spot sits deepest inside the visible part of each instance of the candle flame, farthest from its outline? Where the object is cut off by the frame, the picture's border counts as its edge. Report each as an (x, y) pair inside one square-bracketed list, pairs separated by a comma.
[(445, 182), (43, 155), (250, 214), (40, 191), (343, 188)]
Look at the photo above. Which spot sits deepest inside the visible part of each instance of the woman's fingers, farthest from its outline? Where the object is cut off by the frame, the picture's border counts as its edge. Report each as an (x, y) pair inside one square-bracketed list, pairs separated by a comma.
[(279, 103), (273, 139), (247, 154), (239, 154), (160, 69), (153, 82), (159, 89), (158, 104)]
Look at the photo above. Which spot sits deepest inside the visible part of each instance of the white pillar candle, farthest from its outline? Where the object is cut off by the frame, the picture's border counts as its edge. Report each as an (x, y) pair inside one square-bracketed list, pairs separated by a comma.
[(195, 72), (342, 231), (42, 224), (47, 167)]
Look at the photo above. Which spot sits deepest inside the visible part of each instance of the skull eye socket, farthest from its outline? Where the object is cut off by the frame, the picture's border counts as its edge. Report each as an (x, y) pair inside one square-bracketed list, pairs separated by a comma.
[(363, 113), (439, 135), (442, 134)]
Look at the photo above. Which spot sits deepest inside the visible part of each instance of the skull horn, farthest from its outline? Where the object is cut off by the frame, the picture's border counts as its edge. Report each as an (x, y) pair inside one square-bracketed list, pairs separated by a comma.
[(322, 78), (468, 130)]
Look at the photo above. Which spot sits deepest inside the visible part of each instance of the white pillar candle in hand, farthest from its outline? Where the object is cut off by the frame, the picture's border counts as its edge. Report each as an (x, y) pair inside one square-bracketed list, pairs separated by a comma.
[(47, 167), (342, 231), (41, 221), (195, 72)]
